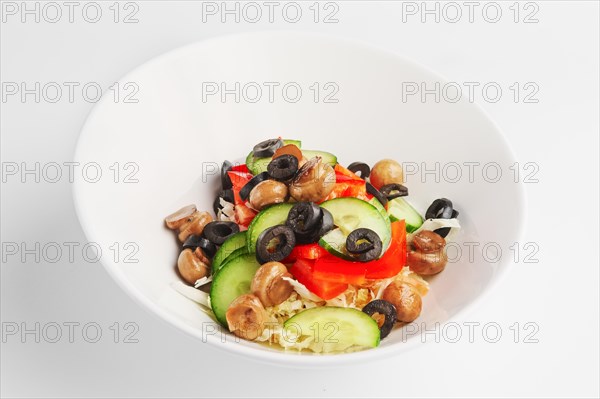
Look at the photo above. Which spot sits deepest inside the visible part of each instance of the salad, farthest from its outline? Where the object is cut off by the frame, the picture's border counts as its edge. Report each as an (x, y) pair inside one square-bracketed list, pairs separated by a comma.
[(304, 253)]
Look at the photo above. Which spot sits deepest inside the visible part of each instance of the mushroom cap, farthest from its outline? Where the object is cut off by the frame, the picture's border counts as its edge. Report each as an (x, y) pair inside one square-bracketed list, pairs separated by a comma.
[(246, 317), (269, 286), (315, 180), (180, 217)]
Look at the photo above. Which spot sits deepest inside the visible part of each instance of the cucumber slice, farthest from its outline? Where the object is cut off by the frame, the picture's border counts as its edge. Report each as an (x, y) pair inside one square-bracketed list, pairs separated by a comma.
[(337, 328), (334, 242), (233, 243), (297, 143), (259, 165), (269, 217), (350, 214), (383, 212), (234, 279), (375, 202), (399, 209), (326, 157)]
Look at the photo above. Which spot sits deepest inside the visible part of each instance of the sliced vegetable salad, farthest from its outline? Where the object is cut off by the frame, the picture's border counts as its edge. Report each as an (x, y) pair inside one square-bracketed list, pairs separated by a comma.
[(307, 254)]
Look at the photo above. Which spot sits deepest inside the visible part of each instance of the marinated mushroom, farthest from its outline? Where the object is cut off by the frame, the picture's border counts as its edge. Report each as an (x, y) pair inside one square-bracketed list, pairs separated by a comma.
[(405, 298), (246, 317), (268, 192), (180, 217), (426, 254), (269, 286), (386, 171), (193, 265), (194, 225), (314, 181)]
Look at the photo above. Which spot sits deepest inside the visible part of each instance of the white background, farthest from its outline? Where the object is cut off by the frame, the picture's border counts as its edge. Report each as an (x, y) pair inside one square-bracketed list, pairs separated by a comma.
[(559, 294)]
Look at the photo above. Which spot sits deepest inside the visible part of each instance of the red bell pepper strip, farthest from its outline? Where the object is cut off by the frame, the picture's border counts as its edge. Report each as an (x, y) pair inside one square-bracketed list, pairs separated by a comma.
[(302, 270), (343, 174), (394, 259), (240, 168), (306, 251), (333, 269), (348, 188), (243, 214), (337, 270)]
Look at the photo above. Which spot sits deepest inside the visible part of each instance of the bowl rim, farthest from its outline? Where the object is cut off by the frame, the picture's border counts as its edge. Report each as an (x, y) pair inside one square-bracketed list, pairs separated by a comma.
[(288, 358)]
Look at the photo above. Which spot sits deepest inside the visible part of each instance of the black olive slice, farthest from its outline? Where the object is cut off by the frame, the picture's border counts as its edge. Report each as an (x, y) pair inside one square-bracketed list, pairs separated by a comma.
[(245, 191), (305, 220), (386, 309), (217, 232), (360, 168), (394, 190), (227, 195), (441, 208), (194, 242), (267, 148), (225, 180), (377, 194), (326, 223), (283, 168), (364, 243), (275, 244), (443, 232)]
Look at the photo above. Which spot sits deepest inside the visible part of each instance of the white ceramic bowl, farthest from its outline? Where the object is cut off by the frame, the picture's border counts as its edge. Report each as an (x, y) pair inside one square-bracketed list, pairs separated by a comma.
[(175, 137)]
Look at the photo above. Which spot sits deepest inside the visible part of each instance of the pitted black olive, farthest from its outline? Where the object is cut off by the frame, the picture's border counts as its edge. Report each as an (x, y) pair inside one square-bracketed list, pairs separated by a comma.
[(377, 194), (305, 221), (385, 309), (267, 148), (364, 243), (283, 168), (217, 232), (361, 167), (227, 195), (394, 190), (326, 223), (275, 244), (245, 191), (195, 241), (441, 208), (443, 232), (225, 179)]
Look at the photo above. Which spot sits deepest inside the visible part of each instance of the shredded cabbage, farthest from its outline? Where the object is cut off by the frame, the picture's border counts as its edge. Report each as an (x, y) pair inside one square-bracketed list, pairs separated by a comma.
[(434, 224), (203, 281), (191, 293), (227, 211)]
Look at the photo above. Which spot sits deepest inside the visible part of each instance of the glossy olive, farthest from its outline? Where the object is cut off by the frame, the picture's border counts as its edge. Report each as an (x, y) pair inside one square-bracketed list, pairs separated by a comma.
[(394, 190), (275, 244), (225, 179), (283, 168), (365, 244), (360, 168), (196, 241), (218, 232), (267, 148), (385, 309)]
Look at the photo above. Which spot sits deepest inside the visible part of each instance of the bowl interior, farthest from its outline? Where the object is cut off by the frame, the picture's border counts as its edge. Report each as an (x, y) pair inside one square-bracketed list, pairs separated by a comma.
[(173, 139)]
